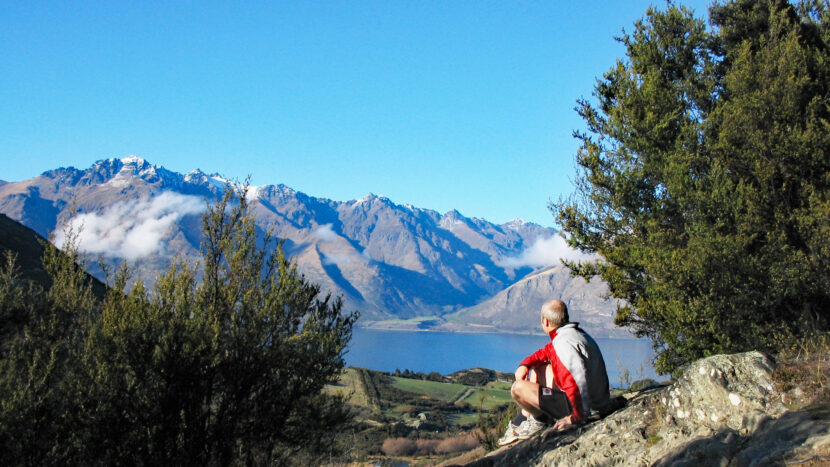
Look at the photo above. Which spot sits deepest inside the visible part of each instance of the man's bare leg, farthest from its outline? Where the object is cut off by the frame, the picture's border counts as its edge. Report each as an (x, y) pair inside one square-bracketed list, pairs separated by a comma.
[(526, 392)]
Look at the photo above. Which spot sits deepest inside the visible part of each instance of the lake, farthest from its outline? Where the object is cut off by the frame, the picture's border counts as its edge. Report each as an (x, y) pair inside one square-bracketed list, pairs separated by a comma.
[(447, 352)]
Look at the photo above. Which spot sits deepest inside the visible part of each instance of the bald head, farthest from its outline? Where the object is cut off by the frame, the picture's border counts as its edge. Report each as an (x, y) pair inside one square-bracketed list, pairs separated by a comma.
[(556, 312)]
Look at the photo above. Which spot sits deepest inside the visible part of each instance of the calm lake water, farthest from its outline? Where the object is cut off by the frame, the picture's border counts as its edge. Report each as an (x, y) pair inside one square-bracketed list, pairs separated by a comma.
[(448, 352)]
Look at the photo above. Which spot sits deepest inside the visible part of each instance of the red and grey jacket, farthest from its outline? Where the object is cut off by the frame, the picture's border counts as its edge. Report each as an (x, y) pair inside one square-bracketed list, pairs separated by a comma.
[(578, 368)]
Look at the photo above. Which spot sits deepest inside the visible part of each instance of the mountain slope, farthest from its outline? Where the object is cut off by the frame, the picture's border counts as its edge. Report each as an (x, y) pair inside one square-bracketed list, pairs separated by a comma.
[(27, 247), (517, 308)]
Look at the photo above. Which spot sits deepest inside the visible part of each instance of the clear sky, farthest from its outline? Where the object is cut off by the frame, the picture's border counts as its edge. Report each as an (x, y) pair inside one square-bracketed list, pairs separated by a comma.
[(445, 105)]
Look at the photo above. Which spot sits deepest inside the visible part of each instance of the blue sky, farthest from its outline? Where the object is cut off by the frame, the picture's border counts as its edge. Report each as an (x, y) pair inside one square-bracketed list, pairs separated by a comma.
[(440, 104)]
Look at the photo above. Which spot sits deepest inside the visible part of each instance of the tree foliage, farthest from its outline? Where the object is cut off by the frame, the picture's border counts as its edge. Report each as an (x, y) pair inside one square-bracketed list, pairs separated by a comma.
[(219, 363), (704, 178)]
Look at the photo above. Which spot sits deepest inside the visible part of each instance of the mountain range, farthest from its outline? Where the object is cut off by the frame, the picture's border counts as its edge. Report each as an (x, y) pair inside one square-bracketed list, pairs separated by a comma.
[(401, 266)]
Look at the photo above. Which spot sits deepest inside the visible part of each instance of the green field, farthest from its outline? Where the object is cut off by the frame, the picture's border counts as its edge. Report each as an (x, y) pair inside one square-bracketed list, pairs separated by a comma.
[(449, 392), (386, 406), (494, 394), (392, 396)]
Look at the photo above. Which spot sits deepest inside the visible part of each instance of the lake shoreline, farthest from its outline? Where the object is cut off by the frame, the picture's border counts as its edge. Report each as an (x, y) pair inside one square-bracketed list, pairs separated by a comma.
[(428, 351), (385, 326)]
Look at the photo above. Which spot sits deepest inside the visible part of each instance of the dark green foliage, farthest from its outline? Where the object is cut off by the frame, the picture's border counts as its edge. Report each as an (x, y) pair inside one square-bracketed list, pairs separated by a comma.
[(478, 376), (493, 423), (704, 178), (432, 376), (42, 377), (224, 370)]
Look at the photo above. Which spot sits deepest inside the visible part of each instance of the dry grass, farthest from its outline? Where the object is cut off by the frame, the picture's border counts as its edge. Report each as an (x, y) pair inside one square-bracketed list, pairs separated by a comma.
[(426, 447), (803, 371)]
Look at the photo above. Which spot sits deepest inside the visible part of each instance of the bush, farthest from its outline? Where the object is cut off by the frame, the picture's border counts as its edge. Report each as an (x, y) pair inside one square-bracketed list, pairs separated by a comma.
[(428, 447), (399, 447), (459, 443)]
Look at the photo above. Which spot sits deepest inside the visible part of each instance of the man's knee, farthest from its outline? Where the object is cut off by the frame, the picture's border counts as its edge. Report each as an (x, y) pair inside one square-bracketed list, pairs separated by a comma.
[(522, 390), (514, 390)]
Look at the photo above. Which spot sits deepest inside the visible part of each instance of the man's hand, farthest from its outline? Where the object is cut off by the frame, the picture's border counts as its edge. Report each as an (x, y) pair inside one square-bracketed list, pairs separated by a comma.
[(521, 372), (563, 422)]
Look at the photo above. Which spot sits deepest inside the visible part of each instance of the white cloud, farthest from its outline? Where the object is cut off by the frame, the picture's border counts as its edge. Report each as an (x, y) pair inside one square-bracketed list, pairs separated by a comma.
[(336, 259), (544, 252), (324, 233), (131, 229)]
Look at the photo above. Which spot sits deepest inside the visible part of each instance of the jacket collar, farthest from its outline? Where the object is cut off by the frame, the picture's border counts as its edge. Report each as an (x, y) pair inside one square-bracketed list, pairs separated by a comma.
[(553, 333)]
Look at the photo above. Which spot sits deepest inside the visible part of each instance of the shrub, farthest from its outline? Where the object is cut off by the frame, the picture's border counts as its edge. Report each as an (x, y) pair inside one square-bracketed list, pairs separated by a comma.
[(459, 443), (399, 447)]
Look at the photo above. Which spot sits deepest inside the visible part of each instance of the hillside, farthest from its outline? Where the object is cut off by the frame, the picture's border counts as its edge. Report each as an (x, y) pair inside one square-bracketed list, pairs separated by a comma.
[(27, 247), (516, 309), (738, 409)]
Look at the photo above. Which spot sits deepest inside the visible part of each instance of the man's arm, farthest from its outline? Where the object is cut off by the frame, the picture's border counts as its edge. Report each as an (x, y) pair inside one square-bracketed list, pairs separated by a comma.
[(540, 356)]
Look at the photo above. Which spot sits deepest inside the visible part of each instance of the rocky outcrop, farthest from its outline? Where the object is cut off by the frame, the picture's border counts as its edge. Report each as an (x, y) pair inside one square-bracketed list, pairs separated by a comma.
[(724, 410)]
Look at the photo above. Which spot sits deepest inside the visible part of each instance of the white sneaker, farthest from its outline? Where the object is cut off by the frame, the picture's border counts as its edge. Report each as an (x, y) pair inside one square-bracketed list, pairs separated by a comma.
[(528, 428), (510, 435)]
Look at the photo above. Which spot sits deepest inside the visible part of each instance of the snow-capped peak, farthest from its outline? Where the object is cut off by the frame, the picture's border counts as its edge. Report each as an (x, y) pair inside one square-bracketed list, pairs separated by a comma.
[(133, 159), (138, 166), (368, 199), (451, 219), (218, 181), (516, 223), (195, 176), (221, 183), (254, 192)]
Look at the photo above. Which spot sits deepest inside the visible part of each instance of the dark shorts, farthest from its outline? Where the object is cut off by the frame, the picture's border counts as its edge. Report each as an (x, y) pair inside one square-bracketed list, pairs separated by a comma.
[(554, 403)]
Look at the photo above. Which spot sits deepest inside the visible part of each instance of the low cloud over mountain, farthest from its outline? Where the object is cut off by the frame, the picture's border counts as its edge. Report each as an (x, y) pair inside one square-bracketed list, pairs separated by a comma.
[(130, 229), (544, 252)]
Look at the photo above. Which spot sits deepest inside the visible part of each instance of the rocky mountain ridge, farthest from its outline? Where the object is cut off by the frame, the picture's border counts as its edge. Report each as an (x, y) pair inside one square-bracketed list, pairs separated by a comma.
[(389, 261)]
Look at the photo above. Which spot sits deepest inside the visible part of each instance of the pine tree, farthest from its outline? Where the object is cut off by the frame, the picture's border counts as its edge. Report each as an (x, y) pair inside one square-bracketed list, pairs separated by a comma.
[(704, 178)]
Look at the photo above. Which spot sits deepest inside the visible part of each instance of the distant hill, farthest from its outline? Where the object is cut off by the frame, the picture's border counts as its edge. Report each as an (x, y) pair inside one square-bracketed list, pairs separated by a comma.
[(517, 308), (388, 260), (28, 247)]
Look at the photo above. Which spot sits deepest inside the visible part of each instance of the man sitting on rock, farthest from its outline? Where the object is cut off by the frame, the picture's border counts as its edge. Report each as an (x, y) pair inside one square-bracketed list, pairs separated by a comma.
[(572, 362)]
